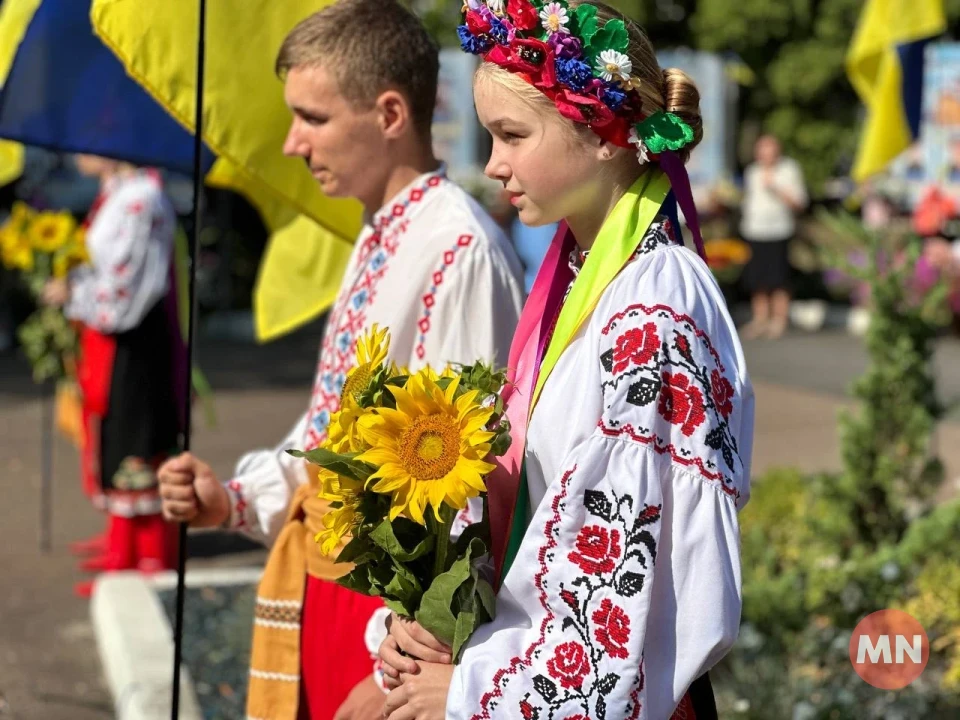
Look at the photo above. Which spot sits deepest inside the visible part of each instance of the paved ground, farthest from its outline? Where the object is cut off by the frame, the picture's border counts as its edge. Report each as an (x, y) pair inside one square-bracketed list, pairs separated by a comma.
[(48, 664)]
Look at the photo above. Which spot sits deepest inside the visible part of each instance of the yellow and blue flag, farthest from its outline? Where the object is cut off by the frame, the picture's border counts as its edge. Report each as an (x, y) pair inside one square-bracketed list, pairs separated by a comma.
[(885, 67), (245, 123), (61, 88)]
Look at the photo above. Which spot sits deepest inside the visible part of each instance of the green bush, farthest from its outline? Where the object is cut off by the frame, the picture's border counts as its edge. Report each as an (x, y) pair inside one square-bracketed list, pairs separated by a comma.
[(822, 551)]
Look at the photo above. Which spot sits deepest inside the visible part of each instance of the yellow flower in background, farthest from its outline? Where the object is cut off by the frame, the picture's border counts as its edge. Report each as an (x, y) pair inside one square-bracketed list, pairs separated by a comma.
[(71, 255), (15, 249), (49, 232), (338, 522), (430, 450), (21, 215), (727, 251)]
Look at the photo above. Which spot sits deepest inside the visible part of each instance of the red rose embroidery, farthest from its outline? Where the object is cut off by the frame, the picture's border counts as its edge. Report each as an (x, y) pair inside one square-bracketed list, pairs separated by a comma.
[(681, 403), (598, 550), (722, 393), (682, 344), (613, 629), (523, 15), (569, 665), (577, 717), (527, 710), (637, 346)]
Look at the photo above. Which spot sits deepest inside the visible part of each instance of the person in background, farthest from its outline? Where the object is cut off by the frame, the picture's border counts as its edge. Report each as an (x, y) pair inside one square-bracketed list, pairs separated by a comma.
[(774, 194), (131, 353)]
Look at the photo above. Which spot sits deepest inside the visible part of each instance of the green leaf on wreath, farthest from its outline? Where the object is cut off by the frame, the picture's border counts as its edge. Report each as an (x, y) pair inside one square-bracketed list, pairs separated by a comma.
[(612, 36), (586, 18)]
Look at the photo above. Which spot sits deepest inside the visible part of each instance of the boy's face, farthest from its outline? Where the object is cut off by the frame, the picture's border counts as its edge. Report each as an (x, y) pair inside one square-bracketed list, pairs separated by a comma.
[(342, 145)]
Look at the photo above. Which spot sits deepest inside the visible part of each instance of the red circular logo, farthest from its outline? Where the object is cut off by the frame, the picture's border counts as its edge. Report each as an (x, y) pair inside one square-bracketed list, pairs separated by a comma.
[(889, 649)]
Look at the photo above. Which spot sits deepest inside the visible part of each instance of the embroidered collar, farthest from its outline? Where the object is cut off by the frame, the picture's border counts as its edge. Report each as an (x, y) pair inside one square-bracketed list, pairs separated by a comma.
[(660, 234), (401, 204)]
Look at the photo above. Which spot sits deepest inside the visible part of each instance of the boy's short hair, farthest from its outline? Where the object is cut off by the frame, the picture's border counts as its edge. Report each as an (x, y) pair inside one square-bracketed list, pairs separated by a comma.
[(370, 46)]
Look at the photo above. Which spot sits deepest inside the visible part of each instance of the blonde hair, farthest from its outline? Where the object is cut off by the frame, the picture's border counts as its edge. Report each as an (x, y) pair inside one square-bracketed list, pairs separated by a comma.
[(369, 46), (670, 90)]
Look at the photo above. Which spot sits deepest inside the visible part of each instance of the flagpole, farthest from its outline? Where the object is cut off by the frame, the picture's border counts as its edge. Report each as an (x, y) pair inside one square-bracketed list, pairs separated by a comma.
[(191, 335)]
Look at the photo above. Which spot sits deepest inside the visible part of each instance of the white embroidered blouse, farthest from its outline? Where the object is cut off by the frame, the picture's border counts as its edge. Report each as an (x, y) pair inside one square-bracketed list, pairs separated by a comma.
[(435, 269), (626, 586), (130, 243)]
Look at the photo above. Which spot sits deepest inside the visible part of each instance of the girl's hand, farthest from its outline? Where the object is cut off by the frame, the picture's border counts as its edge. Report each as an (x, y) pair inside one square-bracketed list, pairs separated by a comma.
[(421, 696), (408, 636)]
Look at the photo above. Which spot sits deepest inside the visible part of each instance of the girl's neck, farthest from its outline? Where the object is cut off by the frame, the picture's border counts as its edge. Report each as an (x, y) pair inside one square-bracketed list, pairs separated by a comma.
[(586, 225)]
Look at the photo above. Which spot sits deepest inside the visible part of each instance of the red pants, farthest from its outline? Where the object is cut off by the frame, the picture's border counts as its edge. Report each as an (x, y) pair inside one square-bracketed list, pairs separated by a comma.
[(333, 654)]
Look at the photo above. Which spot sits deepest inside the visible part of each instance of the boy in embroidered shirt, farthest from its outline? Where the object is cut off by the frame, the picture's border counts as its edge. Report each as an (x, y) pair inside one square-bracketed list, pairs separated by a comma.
[(361, 80)]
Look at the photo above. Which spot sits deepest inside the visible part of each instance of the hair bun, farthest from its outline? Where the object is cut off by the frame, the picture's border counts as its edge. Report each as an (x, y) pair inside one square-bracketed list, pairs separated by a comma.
[(681, 97)]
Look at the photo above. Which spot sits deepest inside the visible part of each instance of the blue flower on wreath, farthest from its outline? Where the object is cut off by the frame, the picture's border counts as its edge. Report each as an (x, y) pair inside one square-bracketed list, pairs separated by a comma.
[(613, 96), (498, 31), (473, 44), (575, 74)]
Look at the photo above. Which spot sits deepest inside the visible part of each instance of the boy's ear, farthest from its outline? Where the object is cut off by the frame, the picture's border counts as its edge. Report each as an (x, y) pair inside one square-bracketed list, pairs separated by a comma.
[(393, 112)]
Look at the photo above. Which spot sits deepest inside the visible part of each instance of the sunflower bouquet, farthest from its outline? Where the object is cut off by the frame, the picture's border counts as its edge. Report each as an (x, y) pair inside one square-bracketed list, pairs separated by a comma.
[(404, 455), (41, 246)]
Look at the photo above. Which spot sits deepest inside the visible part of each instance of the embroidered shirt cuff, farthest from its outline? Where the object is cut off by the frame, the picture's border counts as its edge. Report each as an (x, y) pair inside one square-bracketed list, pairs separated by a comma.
[(238, 506)]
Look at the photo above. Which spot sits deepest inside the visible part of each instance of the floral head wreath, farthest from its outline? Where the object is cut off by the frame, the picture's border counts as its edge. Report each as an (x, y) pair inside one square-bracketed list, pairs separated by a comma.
[(581, 65)]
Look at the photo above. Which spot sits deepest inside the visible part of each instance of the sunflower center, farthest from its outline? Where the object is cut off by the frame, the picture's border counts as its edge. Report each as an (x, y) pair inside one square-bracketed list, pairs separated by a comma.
[(356, 383), (430, 447)]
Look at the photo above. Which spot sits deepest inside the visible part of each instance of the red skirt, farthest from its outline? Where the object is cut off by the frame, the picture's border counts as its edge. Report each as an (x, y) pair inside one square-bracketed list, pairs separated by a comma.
[(333, 652)]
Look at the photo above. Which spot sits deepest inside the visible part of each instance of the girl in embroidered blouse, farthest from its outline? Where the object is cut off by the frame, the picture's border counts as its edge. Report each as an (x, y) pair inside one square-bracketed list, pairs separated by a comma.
[(130, 355), (618, 544)]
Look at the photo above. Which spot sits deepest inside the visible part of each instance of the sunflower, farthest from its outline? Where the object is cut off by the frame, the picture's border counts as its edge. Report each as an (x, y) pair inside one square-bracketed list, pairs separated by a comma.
[(372, 349), (430, 450), (16, 250), (70, 256), (50, 231), (340, 521)]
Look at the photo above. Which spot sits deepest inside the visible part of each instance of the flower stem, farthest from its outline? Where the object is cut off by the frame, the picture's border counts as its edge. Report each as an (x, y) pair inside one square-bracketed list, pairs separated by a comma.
[(443, 545)]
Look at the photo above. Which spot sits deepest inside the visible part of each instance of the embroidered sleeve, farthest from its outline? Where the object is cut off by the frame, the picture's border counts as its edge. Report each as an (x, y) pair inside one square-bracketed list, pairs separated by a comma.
[(131, 273), (627, 585), (471, 306), (263, 484)]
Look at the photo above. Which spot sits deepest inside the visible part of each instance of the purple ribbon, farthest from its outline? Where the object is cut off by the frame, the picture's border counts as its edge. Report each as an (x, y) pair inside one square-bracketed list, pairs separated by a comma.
[(676, 171)]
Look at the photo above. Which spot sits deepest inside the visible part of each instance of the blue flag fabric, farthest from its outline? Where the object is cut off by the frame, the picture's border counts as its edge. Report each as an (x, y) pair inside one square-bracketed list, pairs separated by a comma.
[(66, 91)]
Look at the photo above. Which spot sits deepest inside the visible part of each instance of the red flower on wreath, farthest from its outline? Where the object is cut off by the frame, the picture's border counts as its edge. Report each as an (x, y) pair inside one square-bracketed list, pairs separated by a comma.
[(477, 24), (598, 550), (569, 665), (636, 346), (613, 628), (722, 393), (681, 403), (523, 14)]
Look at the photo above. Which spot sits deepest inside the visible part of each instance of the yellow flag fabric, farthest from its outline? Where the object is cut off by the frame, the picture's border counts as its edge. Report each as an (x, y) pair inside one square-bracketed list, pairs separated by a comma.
[(873, 67), (245, 123), (302, 266), (11, 161), (15, 17)]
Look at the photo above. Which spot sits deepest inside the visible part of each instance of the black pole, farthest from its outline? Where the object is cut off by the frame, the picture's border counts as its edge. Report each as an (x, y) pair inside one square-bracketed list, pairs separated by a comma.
[(191, 334), (46, 465)]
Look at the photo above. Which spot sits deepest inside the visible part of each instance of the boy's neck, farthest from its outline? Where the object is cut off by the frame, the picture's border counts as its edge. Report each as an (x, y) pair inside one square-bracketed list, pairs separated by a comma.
[(402, 175)]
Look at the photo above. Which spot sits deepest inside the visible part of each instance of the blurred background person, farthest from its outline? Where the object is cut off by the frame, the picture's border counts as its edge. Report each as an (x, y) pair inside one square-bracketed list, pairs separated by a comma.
[(774, 193), (131, 355)]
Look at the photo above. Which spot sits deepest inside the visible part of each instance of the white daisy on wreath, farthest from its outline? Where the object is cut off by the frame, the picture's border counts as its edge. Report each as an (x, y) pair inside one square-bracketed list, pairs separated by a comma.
[(554, 18), (496, 6), (642, 154), (614, 65)]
